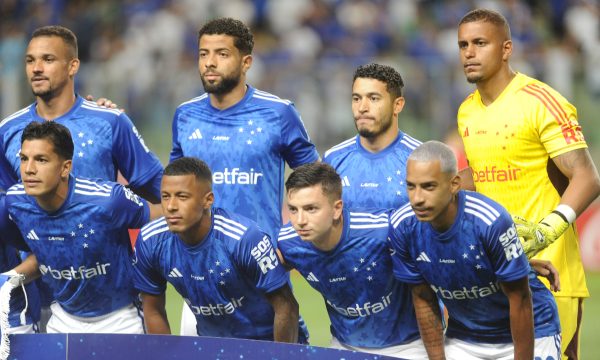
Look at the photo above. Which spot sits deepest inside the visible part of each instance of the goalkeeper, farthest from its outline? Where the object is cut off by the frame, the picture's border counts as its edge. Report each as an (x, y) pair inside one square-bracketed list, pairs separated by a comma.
[(526, 150)]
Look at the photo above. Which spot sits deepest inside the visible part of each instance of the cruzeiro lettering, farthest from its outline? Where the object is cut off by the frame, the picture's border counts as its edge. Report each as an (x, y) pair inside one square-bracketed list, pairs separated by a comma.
[(71, 273), (264, 254), (495, 174), (475, 292), (365, 309), (236, 176), (216, 309)]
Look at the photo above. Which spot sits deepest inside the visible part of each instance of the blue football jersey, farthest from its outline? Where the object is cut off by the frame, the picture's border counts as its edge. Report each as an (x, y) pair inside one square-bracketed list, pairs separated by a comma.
[(223, 279), (464, 266), (83, 248), (9, 258), (372, 180), (106, 141), (367, 306), (246, 146)]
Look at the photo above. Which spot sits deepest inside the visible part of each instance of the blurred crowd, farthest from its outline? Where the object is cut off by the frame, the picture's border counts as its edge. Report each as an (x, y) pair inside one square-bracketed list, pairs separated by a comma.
[(143, 53)]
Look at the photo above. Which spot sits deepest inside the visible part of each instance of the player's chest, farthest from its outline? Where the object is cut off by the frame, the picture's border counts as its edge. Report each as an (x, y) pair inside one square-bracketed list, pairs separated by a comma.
[(205, 271)]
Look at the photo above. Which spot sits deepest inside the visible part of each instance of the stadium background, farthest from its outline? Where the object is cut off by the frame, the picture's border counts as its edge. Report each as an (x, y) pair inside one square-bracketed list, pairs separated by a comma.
[(142, 55)]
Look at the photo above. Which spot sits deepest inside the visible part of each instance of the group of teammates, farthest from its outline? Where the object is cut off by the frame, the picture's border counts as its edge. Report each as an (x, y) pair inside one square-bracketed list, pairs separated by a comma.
[(448, 244)]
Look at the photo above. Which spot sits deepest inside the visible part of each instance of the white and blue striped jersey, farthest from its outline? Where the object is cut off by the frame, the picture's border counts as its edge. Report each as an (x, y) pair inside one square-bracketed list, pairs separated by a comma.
[(464, 266), (223, 279), (9, 258), (372, 180), (246, 146), (106, 142), (83, 248), (367, 306)]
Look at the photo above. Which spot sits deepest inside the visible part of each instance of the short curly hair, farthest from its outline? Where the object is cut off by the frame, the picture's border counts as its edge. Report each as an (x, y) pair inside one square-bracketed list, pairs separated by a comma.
[(383, 73), (242, 37)]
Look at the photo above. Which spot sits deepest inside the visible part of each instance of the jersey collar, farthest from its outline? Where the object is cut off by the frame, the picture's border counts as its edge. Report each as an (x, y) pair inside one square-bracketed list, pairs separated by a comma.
[(68, 114)]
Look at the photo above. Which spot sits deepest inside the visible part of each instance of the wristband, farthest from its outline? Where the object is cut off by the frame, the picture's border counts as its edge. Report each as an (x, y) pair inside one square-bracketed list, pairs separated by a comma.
[(566, 212)]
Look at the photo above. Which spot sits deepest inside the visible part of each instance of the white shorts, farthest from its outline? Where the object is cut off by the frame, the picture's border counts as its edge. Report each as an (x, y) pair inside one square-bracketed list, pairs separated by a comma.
[(412, 350), (188, 322), (546, 348), (126, 320)]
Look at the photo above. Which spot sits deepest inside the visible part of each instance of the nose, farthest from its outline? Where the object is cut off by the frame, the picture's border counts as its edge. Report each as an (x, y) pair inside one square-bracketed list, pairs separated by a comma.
[(416, 196), (171, 204), (209, 61), (37, 66), (301, 218), (29, 167), (469, 51), (363, 105)]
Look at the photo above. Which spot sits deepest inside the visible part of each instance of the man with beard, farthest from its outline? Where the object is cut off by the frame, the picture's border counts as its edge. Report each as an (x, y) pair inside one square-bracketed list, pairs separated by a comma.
[(244, 135), (106, 141), (372, 164)]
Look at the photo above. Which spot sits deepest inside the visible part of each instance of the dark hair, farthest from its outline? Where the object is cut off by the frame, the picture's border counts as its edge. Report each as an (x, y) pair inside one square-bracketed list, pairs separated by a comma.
[(383, 73), (189, 166), (57, 134), (313, 174), (242, 37), (487, 15), (62, 32)]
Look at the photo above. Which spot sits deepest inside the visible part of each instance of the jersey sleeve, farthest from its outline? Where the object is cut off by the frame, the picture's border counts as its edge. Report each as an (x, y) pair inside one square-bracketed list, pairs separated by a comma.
[(556, 121), (146, 277), (257, 259), (7, 175), (135, 161), (128, 209), (176, 151), (9, 232), (405, 269), (505, 250), (297, 147)]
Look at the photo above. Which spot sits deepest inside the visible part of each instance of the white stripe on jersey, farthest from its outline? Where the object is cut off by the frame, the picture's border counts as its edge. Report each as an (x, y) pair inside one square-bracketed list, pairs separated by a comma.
[(153, 225), (484, 218), (401, 214), (155, 231), (223, 225), (17, 189), (196, 99), (106, 186), (410, 142), (483, 203), (91, 193), (232, 235), (286, 102), (369, 226), (286, 230), (84, 187), (15, 115), (231, 222), (381, 216), (264, 93), (472, 207), (290, 235), (340, 146), (95, 107)]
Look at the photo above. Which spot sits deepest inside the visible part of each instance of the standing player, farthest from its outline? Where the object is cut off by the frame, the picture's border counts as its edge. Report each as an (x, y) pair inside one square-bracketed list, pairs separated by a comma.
[(372, 164), (526, 151), (106, 141), (223, 265), (463, 247), (345, 256), (76, 229), (245, 135)]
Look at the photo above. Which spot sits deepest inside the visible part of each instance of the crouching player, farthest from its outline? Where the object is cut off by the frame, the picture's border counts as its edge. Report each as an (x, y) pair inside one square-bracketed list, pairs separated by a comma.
[(345, 255), (463, 247), (223, 265), (76, 229)]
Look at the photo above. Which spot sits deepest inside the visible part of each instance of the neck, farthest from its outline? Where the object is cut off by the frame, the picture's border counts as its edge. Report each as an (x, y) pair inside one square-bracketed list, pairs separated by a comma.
[(446, 219), (330, 240), (55, 106), (196, 234), (380, 142), (490, 89), (53, 201), (224, 101)]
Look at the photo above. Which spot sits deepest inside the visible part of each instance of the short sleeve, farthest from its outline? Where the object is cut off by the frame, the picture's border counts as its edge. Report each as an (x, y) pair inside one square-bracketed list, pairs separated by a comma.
[(258, 260), (146, 277), (128, 209), (134, 160), (297, 147), (505, 250), (405, 269)]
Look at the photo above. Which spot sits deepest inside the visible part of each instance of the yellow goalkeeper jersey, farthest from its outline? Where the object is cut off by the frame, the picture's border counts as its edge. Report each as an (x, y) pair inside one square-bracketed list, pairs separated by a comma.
[(509, 144)]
